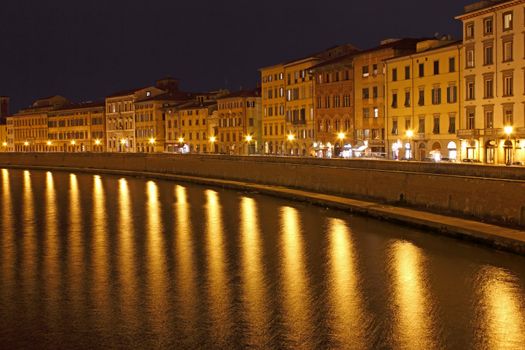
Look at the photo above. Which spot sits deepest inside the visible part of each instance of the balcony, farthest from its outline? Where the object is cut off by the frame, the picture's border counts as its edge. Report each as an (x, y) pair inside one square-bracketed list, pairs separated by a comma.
[(493, 132), (299, 122), (468, 133)]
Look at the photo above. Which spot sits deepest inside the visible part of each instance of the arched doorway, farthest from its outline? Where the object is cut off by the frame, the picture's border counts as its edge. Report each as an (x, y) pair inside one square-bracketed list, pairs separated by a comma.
[(436, 151), (422, 151)]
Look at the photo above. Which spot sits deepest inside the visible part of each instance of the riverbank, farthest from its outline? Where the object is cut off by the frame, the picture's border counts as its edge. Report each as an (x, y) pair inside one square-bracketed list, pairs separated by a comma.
[(508, 239)]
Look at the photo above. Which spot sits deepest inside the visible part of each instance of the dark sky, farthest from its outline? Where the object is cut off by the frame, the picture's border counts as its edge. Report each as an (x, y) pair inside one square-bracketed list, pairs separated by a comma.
[(85, 50)]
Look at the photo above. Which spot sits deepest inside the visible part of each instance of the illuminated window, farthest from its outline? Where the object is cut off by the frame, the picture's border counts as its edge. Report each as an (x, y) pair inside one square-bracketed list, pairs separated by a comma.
[(507, 21)]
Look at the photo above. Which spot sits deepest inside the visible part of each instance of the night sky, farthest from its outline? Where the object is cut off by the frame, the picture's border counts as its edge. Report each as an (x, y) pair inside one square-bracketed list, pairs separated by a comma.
[(85, 50)]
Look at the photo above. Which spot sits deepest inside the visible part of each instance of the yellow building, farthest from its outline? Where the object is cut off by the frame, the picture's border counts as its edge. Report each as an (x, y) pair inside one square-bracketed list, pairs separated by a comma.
[(424, 105), (369, 94), (492, 125), (190, 127), (288, 103), (4, 145), (77, 128), (29, 126), (239, 128), (150, 119)]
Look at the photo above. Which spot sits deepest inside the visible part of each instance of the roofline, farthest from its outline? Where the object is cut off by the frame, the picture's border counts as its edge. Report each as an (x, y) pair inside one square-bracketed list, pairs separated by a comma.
[(488, 9), (458, 43)]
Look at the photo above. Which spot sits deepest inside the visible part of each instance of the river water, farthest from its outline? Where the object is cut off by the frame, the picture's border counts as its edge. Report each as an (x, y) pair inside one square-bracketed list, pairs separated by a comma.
[(89, 261)]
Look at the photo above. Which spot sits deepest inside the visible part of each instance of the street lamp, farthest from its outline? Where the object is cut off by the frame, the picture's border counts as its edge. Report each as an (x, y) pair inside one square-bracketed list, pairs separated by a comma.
[(73, 142), (248, 139), (181, 140), (341, 138), (97, 142), (508, 130), (291, 138), (212, 141), (410, 134)]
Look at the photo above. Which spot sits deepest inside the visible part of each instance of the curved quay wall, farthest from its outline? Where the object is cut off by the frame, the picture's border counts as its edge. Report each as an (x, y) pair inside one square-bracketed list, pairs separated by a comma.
[(493, 194)]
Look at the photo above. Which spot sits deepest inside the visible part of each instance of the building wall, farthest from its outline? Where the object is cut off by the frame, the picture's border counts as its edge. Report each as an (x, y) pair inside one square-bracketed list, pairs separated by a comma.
[(149, 126), (273, 92), (428, 104), (484, 115), (334, 106)]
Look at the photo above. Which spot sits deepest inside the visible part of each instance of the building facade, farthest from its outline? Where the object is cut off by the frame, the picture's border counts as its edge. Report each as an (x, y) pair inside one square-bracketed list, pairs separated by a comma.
[(333, 106), (77, 128), (424, 102), (369, 94), (273, 102), (240, 122), (492, 122), (29, 127)]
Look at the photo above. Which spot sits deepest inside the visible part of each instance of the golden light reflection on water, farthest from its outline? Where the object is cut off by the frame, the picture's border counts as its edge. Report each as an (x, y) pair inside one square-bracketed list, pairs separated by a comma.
[(502, 319), (8, 237), (52, 253), (187, 289), (218, 286), (296, 299), (253, 286), (127, 270), (100, 248), (349, 321), (156, 258), (413, 325), (29, 250), (75, 241)]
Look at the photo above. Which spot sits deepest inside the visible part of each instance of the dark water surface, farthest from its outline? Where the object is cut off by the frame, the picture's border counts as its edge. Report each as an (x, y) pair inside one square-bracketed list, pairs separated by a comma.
[(106, 262)]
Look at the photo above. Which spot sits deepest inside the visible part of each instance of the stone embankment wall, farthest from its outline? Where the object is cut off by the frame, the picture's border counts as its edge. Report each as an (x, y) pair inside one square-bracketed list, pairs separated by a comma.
[(489, 193)]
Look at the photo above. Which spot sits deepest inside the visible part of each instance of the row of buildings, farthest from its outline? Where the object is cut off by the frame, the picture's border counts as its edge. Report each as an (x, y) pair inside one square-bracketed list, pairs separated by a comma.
[(414, 98)]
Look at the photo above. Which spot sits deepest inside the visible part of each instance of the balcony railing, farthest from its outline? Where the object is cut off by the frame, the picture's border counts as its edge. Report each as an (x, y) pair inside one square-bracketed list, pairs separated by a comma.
[(468, 133), (494, 132)]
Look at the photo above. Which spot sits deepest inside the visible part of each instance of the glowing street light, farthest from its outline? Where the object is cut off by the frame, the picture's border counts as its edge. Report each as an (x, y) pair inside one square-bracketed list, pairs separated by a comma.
[(181, 140), (4, 144), (341, 136), (123, 141), (248, 138), (26, 143), (97, 142), (73, 142), (410, 134), (49, 143), (508, 130), (213, 139), (151, 141), (290, 137)]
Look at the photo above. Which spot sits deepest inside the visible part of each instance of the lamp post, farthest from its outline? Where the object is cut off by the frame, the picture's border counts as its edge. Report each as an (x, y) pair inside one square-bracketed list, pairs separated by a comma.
[(123, 143), (508, 144), (410, 134), (212, 141), (151, 141), (341, 138), (291, 138), (248, 139)]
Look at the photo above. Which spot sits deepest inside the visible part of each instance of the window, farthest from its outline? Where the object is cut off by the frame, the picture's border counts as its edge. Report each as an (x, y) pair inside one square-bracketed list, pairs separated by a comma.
[(488, 54), (469, 30), (421, 125), (507, 51), (508, 118), (470, 57), (394, 100), (452, 94), (407, 98), (489, 119), (435, 128), (508, 82), (471, 119), (436, 67), (366, 113), (488, 88), (436, 96), (376, 112), (365, 72), (346, 101), (394, 74), (394, 127), (452, 64), (407, 72), (507, 21), (407, 123), (470, 90), (374, 69), (421, 100), (487, 26), (452, 124), (374, 92), (421, 70), (327, 102), (366, 94)]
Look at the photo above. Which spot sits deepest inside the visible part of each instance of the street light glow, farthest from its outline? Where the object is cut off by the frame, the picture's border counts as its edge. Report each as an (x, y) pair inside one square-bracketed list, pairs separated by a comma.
[(4, 144), (123, 141), (410, 133), (151, 141), (341, 136), (73, 142), (291, 137), (212, 139), (26, 143), (508, 130), (97, 142), (181, 140), (248, 138)]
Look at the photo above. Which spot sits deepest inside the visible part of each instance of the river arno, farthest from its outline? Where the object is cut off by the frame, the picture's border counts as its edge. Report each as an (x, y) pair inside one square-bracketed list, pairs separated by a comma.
[(91, 261)]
